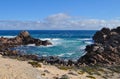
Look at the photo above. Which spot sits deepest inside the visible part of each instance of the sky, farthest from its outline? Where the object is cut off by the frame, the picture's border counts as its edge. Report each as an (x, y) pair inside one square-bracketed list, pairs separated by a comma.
[(59, 14)]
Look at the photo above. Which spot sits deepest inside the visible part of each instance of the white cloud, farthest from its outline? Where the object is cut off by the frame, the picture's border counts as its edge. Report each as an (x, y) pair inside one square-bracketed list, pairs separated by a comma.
[(59, 21)]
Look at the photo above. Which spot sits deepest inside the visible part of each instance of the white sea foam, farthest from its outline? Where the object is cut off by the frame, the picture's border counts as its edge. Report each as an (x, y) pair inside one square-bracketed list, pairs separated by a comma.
[(69, 53), (44, 55), (82, 47), (84, 39), (60, 55), (88, 42), (8, 36), (31, 45), (48, 45), (44, 39), (54, 39), (65, 54)]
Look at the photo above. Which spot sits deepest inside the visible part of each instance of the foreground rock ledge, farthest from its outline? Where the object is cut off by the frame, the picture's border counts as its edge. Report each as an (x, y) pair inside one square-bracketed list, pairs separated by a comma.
[(105, 50), (23, 38)]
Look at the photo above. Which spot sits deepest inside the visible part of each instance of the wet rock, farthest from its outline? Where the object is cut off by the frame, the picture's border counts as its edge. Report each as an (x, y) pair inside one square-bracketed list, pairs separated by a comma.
[(46, 42)]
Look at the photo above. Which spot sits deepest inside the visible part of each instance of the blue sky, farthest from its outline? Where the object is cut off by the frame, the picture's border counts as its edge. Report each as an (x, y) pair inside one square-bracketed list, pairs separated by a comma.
[(59, 14)]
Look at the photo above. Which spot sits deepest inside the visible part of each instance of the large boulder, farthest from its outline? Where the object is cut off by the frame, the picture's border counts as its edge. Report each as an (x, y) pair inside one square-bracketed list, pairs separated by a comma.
[(24, 34)]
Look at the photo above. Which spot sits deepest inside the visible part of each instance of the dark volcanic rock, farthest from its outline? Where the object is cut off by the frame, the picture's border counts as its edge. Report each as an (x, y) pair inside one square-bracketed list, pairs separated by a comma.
[(105, 50)]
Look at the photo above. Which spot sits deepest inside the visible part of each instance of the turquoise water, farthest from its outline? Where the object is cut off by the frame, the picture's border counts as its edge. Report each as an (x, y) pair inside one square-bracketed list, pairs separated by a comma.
[(66, 44)]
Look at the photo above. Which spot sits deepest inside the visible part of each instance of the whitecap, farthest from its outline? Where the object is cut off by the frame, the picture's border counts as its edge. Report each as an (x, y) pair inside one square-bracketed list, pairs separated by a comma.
[(44, 55), (54, 39), (31, 45), (8, 36), (65, 54), (47, 46), (88, 42), (84, 39), (60, 55), (44, 39), (69, 53), (82, 47)]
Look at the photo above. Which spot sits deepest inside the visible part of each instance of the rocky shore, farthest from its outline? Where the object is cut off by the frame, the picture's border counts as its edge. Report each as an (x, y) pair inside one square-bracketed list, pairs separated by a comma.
[(23, 38), (105, 50), (101, 61)]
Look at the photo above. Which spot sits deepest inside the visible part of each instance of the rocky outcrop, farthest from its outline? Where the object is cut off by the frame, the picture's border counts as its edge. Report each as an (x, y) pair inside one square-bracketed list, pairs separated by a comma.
[(105, 50), (24, 38)]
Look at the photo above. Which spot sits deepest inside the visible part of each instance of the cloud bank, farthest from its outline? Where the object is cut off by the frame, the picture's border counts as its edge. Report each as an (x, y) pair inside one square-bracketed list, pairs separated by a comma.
[(60, 21)]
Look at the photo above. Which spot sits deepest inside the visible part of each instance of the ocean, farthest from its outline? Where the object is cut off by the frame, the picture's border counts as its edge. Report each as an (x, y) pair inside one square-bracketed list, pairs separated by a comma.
[(67, 44)]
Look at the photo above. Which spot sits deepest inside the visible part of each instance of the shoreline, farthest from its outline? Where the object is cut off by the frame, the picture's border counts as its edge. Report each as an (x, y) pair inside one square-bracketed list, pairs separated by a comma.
[(96, 63), (48, 71)]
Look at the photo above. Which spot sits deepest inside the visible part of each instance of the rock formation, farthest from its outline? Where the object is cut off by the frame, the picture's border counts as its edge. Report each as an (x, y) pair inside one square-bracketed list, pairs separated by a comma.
[(105, 50), (23, 38)]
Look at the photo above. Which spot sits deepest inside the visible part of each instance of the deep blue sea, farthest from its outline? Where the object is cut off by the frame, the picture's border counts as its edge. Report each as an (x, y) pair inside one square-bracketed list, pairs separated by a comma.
[(67, 44)]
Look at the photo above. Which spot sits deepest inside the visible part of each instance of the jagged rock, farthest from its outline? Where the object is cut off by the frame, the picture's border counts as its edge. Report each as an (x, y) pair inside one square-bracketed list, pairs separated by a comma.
[(23, 38), (105, 50), (99, 37), (116, 30), (46, 42), (106, 31), (24, 34)]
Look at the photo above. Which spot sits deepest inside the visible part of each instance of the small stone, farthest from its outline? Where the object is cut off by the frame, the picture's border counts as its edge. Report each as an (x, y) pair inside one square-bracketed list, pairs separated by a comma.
[(65, 77), (46, 71), (72, 73)]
